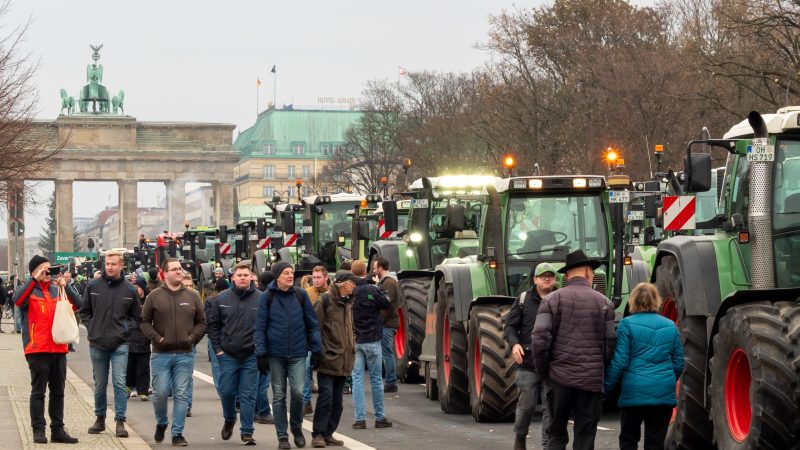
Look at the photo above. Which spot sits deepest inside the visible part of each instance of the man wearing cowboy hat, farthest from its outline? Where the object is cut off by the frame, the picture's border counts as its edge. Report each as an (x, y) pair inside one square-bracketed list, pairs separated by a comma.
[(573, 339)]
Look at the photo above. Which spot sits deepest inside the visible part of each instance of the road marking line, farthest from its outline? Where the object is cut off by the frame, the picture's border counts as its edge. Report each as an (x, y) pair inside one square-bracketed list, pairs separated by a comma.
[(307, 424)]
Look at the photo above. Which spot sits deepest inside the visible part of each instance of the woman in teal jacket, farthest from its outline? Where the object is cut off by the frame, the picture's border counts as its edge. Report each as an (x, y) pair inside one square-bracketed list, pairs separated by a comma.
[(649, 360)]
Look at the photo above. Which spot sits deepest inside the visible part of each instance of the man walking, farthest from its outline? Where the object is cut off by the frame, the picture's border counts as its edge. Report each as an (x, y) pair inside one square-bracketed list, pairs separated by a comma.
[(230, 329), (286, 330), (320, 283), (573, 340), (391, 320), (47, 361), (110, 308), (174, 321), (518, 329), (368, 324)]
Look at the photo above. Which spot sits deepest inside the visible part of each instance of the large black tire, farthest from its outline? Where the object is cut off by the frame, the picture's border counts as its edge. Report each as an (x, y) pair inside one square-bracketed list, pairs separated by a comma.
[(690, 427), (431, 389), (408, 341), (753, 381), (492, 375), (451, 354)]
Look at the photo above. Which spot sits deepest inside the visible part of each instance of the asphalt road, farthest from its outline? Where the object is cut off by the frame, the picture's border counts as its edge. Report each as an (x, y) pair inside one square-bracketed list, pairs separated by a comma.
[(418, 422)]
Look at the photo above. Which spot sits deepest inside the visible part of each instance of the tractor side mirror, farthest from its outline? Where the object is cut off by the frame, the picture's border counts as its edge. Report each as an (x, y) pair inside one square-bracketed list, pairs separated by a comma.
[(390, 215), (363, 231), (222, 234), (288, 222), (698, 172), (201, 240), (456, 218), (172, 249)]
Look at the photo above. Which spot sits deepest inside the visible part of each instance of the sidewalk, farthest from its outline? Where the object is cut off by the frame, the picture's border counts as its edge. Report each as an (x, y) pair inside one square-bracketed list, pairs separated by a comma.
[(78, 406)]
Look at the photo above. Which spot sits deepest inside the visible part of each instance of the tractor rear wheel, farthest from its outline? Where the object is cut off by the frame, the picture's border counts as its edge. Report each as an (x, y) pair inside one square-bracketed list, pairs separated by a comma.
[(410, 334), (451, 354), (690, 427), (492, 374), (431, 389), (753, 380)]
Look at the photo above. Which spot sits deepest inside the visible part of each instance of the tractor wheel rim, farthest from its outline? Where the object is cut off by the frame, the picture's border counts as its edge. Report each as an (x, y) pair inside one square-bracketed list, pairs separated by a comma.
[(446, 349), (669, 309), (476, 369), (400, 336), (737, 395), (677, 397)]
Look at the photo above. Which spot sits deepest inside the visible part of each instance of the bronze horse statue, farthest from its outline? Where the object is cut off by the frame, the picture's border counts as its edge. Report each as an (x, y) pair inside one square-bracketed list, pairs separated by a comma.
[(67, 102), (118, 102)]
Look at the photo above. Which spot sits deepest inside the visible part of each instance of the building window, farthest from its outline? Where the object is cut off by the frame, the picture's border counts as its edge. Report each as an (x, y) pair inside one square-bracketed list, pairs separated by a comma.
[(268, 191), (339, 149), (269, 149), (306, 172), (290, 174), (256, 149), (298, 149), (292, 192), (269, 172), (325, 149)]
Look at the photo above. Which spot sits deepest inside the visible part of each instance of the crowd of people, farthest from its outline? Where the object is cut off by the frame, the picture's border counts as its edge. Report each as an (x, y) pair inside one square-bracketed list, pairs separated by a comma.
[(143, 329)]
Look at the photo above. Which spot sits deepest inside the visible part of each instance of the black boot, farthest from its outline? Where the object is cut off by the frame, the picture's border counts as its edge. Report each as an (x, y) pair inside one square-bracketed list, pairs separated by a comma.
[(121, 431), (99, 425), (519, 442), (61, 435), (39, 437)]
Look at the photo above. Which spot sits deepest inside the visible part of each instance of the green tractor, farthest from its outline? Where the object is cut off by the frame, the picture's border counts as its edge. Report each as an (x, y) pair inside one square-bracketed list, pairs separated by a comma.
[(526, 221), (734, 294)]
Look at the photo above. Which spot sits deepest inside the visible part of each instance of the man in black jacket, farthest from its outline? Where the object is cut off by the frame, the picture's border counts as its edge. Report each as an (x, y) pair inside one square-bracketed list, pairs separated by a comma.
[(518, 329), (110, 309), (231, 324)]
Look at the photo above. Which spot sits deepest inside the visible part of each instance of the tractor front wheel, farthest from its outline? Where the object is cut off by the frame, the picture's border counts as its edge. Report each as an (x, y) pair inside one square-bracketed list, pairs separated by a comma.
[(408, 340)]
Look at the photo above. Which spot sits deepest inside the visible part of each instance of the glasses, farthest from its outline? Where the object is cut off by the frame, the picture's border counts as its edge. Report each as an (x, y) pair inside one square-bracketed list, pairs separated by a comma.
[(547, 277), (175, 269)]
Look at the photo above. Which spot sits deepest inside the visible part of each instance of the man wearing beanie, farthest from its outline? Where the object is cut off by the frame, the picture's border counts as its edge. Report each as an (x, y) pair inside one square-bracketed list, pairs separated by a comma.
[(47, 361), (286, 329), (110, 307)]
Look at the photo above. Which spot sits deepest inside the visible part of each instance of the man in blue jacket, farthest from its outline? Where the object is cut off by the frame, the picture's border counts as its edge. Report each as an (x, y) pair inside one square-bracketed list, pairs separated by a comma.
[(230, 326), (286, 329)]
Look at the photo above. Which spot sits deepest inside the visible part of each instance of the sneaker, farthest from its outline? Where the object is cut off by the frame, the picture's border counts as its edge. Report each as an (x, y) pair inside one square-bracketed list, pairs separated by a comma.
[(383, 423), (392, 388), (39, 437), (133, 393), (227, 430), (283, 443), (360, 425), (144, 397), (179, 441), (121, 431), (333, 442), (268, 419), (60, 435), (308, 409), (247, 439), (98, 426), (318, 442), (159, 436), (348, 389), (299, 439)]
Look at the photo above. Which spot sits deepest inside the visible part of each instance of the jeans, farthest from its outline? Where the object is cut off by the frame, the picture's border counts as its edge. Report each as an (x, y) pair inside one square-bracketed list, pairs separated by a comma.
[(291, 370), (214, 367), (17, 320), (531, 388), (118, 359), (585, 407), (172, 372), (239, 379), (387, 349), (368, 356), (47, 369), (329, 404), (656, 421), (307, 381), (191, 379), (262, 396)]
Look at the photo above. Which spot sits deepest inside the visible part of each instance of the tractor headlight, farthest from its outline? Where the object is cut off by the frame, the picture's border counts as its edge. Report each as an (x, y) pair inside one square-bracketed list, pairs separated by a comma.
[(415, 237)]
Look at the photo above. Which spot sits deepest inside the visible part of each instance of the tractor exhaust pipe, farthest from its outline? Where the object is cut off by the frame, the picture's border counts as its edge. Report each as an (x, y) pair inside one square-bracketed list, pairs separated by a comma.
[(759, 213)]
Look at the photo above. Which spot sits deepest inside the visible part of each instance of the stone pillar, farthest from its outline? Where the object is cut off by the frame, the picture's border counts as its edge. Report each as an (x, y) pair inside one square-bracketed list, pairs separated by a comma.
[(64, 226), (223, 203), (176, 205), (17, 265), (128, 216)]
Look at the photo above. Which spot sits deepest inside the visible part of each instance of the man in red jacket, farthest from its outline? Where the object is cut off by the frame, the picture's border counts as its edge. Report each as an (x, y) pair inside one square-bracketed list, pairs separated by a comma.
[(47, 360)]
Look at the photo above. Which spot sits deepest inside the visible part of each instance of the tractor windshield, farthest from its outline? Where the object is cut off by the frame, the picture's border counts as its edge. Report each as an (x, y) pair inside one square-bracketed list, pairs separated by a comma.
[(547, 228), (786, 213), (334, 219)]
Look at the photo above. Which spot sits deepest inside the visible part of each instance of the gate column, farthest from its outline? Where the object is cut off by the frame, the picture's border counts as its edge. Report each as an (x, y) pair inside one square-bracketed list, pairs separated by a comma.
[(128, 214), (65, 239), (176, 205), (223, 203)]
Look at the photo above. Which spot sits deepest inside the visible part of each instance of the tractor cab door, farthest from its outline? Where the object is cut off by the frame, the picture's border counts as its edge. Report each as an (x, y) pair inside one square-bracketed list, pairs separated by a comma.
[(786, 213)]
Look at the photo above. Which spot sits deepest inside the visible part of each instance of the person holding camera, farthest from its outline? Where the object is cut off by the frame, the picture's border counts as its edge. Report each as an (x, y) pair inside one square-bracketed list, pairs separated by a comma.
[(47, 361)]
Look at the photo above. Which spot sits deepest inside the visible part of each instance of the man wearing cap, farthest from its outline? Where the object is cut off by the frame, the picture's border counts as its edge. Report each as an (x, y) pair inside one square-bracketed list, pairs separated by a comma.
[(518, 329), (286, 329), (47, 361), (573, 340)]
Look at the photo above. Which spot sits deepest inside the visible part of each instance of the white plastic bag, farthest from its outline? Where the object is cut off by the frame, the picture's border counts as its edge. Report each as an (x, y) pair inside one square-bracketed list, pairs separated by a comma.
[(65, 326)]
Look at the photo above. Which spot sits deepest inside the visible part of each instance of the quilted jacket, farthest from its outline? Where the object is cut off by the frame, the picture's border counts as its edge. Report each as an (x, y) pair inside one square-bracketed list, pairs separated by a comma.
[(648, 359)]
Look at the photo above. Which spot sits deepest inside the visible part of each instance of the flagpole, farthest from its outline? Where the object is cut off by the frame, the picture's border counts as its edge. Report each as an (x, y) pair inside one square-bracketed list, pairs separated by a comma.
[(274, 87), (258, 86)]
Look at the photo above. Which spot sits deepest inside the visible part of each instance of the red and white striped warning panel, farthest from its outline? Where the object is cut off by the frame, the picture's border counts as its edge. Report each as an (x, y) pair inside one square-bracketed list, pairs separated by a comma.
[(679, 212), (224, 249), (264, 243), (382, 233), (288, 240)]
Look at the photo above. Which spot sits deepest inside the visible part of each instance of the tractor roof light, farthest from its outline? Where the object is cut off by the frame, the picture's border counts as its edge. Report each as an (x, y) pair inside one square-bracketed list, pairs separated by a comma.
[(363, 203), (579, 182), (509, 162), (535, 183), (627, 261), (384, 180), (373, 198), (659, 149), (595, 182), (298, 182), (611, 155)]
